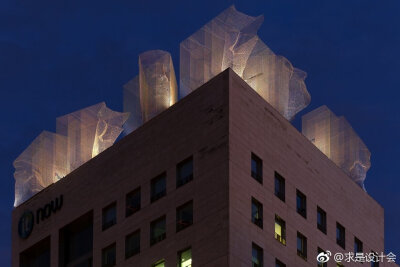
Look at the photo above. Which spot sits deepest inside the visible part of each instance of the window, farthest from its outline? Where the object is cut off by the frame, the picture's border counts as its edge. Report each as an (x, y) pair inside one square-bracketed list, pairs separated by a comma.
[(321, 264), (184, 216), (302, 246), (157, 230), (375, 261), (339, 264), (132, 204), (256, 168), (358, 245), (340, 235), (109, 216), (257, 256), (36, 255), (184, 172), (278, 263), (280, 230), (160, 263), (132, 244), (321, 220), (158, 187), (279, 186), (185, 258), (256, 213), (108, 256), (301, 204)]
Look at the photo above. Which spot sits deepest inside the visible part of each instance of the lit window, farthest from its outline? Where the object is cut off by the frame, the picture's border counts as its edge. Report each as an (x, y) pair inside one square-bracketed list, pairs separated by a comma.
[(340, 235), (185, 258), (109, 216), (184, 172), (321, 264), (279, 186), (108, 256), (256, 168), (321, 220), (358, 245), (132, 202), (256, 213), (132, 244), (257, 256), (301, 204), (278, 263), (160, 263), (280, 230), (157, 230), (338, 264), (184, 216), (302, 246), (158, 187)]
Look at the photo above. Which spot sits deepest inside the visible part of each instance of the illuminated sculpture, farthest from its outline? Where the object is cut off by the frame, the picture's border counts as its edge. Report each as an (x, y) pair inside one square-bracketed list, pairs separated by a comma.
[(89, 132), (152, 91), (80, 136), (42, 163), (335, 137), (230, 40)]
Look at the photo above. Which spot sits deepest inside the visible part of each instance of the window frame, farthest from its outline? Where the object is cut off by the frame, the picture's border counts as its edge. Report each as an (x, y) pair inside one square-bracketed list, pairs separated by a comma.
[(180, 181), (112, 246), (180, 252), (154, 240), (156, 196), (341, 241), (301, 199), (280, 238), (260, 251), (129, 254), (128, 211), (302, 252), (280, 186), (322, 227), (107, 225), (180, 227), (259, 207), (258, 173), (358, 244)]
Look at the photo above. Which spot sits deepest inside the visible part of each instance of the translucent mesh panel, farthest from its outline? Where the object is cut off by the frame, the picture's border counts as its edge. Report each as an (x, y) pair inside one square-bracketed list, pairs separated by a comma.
[(335, 137), (80, 136), (152, 91), (41, 164), (230, 40), (89, 131)]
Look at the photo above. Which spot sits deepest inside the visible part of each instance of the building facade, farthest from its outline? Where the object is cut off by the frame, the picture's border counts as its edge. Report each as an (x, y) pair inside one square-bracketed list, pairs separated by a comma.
[(218, 179)]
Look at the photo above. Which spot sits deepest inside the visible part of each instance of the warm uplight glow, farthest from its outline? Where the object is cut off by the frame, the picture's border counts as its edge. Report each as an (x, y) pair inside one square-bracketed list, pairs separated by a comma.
[(230, 40), (335, 137)]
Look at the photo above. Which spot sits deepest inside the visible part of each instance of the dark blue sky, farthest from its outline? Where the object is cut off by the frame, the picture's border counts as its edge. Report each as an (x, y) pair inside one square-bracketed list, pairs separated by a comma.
[(60, 56)]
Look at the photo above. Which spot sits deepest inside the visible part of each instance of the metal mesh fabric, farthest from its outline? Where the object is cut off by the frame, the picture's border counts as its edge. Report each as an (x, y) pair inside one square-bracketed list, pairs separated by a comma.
[(335, 137), (152, 91), (230, 40)]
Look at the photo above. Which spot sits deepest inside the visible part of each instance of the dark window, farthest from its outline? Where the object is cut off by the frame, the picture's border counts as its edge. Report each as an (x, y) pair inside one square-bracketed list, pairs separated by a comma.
[(132, 202), (301, 204), (301, 246), (340, 235), (280, 230), (132, 244), (158, 187), (375, 261), (257, 256), (76, 242), (185, 258), (256, 168), (36, 256), (279, 186), (256, 213), (160, 263), (278, 263), (109, 216), (184, 172), (321, 264), (358, 245), (321, 220), (108, 256), (157, 230), (184, 216)]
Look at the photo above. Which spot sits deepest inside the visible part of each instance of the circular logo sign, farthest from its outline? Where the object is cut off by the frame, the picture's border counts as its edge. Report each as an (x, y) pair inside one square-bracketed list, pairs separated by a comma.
[(25, 224)]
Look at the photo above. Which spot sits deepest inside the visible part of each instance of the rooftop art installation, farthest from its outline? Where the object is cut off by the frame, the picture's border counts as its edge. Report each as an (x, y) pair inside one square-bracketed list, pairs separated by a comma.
[(80, 136), (335, 137), (230, 40), (152, 91)]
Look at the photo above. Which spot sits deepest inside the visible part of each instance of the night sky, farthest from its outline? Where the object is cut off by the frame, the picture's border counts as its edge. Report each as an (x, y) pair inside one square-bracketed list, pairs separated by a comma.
[(60, 56)]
